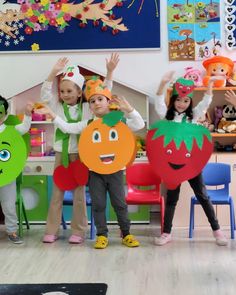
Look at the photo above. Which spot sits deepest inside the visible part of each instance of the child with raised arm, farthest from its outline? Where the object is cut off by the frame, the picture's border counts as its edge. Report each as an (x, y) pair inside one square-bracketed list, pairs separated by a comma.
[(8, 192), (180, 107), (99, 98), (71, 107)]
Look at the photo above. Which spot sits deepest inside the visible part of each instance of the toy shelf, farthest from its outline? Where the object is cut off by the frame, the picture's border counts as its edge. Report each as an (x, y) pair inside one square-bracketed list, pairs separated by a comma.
[(214, 134)]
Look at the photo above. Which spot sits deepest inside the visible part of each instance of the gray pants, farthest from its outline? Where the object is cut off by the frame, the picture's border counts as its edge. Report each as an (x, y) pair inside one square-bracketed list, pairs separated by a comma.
[(99, 185), (8, 203)]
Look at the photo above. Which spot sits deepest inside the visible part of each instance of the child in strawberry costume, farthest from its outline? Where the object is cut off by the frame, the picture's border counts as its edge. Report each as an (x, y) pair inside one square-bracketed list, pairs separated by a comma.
[(180, 110), (71, 107)]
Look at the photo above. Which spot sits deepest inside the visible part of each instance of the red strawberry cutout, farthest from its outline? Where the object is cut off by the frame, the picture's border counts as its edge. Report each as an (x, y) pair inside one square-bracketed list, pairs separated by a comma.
[(183, 90), (174, 155)]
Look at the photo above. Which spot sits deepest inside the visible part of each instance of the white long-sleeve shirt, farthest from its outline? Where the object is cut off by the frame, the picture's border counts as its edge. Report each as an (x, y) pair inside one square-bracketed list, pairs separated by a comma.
[(198, 110), (49, 96), (22, 128), (133, 120)]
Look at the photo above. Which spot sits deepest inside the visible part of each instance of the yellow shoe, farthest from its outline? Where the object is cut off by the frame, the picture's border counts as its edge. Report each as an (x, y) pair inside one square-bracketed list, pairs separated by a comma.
[(101, 242), (130, 241)]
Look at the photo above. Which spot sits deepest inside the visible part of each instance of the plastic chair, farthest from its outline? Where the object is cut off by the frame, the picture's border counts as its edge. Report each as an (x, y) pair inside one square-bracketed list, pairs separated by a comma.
[(216, 175), (68, 201), (144, 187), (21, 212)]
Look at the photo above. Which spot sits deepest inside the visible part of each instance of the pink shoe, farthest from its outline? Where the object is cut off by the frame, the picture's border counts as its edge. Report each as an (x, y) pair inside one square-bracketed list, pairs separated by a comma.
[(220, 238), (163, 239), (74, 239), (49, 238)]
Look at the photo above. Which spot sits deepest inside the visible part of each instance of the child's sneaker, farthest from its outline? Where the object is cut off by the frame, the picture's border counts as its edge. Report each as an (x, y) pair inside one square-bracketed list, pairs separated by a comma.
[(75, 239), (163, 239), (130, 241), (14, 238), (221, 240), (101, 242), (49, 238)]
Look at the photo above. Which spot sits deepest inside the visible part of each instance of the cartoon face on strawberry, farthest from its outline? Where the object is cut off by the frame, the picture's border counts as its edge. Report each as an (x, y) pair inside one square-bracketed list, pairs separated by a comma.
[(183, 87), (178, 151)]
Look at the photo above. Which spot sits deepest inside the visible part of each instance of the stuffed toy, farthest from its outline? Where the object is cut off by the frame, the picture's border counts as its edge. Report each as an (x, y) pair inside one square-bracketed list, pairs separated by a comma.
[(218, 66), (194, 75), (218, 114), (206, 121), (228, 121)]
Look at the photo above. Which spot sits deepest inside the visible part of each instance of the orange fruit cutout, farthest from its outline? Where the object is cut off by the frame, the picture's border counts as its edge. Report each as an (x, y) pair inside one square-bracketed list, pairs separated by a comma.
[(107, 149)]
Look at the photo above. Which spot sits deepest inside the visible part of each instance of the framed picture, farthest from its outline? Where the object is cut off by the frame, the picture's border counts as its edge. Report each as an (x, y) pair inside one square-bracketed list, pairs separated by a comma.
[(67, 25)]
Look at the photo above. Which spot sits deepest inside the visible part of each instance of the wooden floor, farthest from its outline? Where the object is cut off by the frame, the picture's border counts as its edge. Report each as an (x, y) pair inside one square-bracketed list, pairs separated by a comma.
[(193, 267)]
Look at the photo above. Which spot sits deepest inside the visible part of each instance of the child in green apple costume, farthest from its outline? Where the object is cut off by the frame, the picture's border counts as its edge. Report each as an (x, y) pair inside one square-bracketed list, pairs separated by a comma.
[(13, 155)]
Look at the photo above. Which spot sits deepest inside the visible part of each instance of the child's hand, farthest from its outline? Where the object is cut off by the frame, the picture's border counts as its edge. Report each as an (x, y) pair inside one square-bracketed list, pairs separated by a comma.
[(122, 103), (58, 67), (230, 96), (168, 77), (29, 108), (45, 110), (111, 64), (60, 64)]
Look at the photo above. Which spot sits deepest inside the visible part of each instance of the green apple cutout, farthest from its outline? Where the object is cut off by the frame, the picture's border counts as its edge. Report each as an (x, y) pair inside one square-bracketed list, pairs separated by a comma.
[(13, 155)]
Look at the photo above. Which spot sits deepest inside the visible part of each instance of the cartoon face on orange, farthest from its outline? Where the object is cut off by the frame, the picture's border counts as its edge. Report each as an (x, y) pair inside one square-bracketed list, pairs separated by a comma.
[(107, 145)]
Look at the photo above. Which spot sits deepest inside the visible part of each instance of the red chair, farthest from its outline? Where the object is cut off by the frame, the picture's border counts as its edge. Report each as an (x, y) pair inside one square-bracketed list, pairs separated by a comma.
[(144, 187)]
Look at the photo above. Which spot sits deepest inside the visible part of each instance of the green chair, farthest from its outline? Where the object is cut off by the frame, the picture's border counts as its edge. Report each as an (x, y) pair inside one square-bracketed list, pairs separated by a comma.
[(21, 212)]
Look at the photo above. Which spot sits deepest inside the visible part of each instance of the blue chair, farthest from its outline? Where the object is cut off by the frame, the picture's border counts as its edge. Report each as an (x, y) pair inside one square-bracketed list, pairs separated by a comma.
[(68, 201), (216, 175)]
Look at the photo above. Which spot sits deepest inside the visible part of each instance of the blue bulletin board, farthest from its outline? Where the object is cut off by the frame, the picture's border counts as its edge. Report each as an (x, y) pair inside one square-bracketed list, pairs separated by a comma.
[(67, 25)]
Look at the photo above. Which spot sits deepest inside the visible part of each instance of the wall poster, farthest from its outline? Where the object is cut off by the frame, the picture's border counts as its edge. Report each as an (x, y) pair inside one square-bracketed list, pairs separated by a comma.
[(193, 29)]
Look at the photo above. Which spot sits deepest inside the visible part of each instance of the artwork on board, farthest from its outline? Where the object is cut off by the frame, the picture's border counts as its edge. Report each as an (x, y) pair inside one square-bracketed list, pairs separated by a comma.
[(193, 29), (55, 25), (230, 24)]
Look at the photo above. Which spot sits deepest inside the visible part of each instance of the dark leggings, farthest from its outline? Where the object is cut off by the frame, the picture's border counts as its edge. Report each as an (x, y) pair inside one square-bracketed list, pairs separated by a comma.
[(199, 189)]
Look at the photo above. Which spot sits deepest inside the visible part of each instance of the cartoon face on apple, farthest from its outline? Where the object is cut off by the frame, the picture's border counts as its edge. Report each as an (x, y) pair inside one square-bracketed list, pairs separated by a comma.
[(13, 155)]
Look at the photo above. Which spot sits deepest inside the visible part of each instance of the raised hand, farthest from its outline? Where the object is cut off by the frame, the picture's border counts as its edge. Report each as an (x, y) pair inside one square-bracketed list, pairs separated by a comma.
[(58, 67), (111, 64), (122, 103), (168, 77)]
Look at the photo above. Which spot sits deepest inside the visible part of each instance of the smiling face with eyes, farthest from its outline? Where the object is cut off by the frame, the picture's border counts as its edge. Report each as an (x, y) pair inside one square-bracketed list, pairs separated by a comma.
[(107, 149), (13, 155)]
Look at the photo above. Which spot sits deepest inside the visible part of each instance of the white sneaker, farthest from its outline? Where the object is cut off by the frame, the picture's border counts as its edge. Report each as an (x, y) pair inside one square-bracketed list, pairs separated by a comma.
[(163, 239), (221, 239)]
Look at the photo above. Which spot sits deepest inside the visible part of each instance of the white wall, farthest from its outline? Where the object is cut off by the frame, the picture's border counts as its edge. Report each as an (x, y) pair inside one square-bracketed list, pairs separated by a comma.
[(141, 70)]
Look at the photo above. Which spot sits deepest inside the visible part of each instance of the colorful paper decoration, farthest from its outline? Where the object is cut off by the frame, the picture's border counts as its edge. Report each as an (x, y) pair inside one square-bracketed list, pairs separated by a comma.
[(13, 155), (68, 178), (107, 145), (178, 151), (84, 24)]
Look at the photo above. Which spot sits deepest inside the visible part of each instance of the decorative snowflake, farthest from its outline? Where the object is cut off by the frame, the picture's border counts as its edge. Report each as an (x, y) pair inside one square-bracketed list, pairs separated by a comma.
[(7, 43), (21, 38), (16, 42)]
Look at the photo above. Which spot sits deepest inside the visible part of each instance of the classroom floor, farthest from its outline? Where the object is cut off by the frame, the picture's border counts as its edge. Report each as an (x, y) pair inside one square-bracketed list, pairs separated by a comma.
[(193, 267)]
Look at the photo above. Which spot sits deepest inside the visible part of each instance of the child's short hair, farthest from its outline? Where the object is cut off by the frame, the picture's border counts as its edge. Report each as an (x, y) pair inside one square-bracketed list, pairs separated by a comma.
[(4, 102)]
